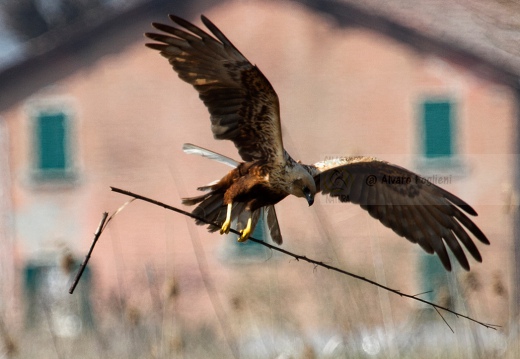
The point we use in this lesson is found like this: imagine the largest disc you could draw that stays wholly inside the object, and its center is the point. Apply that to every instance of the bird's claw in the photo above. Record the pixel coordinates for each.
(246, 232)
(225, 227)
(227, 223)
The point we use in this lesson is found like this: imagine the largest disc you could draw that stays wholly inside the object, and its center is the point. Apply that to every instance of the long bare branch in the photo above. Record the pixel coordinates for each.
(299, 257)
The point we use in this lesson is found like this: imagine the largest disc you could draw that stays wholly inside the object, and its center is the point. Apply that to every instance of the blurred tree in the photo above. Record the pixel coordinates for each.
(31, 18)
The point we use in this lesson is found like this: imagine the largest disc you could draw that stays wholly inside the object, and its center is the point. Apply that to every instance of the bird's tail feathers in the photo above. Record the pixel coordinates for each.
(210, 207)
(272, 224)
(190, 201)
(208, 187)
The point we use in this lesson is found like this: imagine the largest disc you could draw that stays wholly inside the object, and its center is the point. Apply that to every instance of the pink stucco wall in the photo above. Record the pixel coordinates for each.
(342, 91)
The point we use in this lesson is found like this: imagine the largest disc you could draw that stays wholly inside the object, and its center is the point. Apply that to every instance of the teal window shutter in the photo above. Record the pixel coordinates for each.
(438, 129)
(51, 141)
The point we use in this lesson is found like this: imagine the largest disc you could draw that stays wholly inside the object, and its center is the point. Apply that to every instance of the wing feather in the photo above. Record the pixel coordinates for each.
(455, 247)
(191, 149)
(389, 213)
(434, 234)
(356, 193)
(416, 234)
(243, 105)
(412, 207)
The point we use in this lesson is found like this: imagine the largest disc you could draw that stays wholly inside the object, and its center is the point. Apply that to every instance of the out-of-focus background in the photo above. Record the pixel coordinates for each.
(432, 85)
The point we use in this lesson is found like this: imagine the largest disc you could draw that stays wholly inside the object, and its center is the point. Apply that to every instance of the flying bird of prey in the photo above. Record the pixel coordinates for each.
(244, 108)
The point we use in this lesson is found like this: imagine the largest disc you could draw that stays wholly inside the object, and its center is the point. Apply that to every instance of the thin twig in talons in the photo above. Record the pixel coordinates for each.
(117, 212)
(99, 230)
(437, 310)
(418, 294)
(87, 257)
(309, 260)
(297, 257)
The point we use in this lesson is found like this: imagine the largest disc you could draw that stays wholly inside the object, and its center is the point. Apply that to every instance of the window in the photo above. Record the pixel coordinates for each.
(51, 145)
(52, 141)
(47, 299)
(438, 131)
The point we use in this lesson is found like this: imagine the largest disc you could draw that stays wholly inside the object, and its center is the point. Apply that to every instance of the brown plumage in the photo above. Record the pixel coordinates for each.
(244, 108)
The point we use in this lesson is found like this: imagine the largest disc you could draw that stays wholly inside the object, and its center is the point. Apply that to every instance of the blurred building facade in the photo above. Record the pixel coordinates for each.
(102, 110)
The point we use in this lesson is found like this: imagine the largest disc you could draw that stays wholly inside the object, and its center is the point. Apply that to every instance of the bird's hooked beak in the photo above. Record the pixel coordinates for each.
(308, 196)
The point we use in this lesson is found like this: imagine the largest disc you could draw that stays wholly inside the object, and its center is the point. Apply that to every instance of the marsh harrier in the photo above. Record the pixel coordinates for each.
(244, 108)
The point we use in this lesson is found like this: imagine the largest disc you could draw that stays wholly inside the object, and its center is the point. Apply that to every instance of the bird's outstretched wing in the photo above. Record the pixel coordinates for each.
(243, 105)
(407, 203)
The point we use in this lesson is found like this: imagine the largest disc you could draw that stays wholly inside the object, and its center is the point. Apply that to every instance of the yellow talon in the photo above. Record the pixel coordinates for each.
(227, 223)
(246, 232)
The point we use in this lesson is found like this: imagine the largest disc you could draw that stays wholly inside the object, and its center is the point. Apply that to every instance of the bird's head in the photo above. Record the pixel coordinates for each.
(301, 183)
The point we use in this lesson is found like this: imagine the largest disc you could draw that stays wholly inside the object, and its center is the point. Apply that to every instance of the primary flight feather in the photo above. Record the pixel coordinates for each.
(244, 109)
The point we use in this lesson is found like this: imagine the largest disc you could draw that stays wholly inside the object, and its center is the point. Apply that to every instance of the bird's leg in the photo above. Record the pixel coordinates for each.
(227, 223)
(246, 232)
